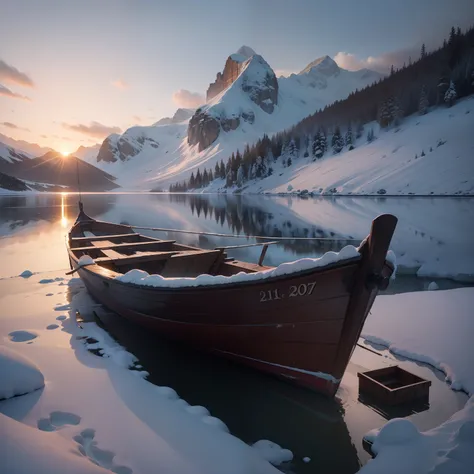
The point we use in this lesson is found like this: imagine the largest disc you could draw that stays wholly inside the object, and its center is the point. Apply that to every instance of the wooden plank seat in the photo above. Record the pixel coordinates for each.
(191, 263)
(119, 259)
(107, 244)
(177, 263)
(106, 237)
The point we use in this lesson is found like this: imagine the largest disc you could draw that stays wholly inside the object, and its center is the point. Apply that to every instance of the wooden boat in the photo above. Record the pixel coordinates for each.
(302, 326)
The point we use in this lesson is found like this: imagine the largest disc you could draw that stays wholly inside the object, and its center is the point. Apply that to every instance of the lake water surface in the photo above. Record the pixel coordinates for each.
(33, 227)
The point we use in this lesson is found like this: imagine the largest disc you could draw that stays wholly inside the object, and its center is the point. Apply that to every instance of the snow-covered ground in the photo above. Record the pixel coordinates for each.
(392, 163)
(94, 413)
(433, 327)
(18, 374)
(100, 414)
(402, 449)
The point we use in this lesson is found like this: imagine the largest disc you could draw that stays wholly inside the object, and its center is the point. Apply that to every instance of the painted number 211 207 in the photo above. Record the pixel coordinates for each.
(304, 289)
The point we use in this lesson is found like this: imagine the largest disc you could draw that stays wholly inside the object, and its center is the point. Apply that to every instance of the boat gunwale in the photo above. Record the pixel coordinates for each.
(226, 285)
(229, 285)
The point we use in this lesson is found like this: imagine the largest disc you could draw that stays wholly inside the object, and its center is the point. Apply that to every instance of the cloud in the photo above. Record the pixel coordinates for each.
(381, 63)
(12, 75)
(188, 99)
(13, 126)
(120, 84)
(9, 93)
(94, 129)
(44, 136)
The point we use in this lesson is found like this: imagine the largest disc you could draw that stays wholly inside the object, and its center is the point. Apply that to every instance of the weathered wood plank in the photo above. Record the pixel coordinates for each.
(104, 237)
(126, 245)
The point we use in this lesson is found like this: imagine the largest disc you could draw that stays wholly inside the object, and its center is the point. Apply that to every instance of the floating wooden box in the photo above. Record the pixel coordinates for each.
(393, 385)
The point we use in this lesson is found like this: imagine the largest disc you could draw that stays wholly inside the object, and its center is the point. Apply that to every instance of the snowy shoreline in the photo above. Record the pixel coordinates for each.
(75, 430)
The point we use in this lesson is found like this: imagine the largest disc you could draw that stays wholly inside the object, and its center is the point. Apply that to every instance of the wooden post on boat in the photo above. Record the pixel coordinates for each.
(372, 275)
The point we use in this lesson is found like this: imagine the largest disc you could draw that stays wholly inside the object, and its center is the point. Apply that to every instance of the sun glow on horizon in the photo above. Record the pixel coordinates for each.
(65, 153)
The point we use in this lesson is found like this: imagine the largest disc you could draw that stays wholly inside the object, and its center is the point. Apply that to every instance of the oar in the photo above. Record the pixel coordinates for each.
(74, 270)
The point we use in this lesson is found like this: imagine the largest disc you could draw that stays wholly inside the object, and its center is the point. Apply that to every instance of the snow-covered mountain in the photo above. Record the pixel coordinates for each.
(424, 155)
(32, 149)
(51, 171)
(10, 156)
(246, 101)
(87, 153)
(180, 115)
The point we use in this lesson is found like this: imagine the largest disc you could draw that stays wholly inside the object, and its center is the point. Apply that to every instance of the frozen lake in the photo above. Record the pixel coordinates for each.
(433, 237)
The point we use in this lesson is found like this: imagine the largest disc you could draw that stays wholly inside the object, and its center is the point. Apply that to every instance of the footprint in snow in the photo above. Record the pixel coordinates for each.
(22, 336)
(101, 457)
(57, 419)
(63, 307)
(61, 318)
(52, 326)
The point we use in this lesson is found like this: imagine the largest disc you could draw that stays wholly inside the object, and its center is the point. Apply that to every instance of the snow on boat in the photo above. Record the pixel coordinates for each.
(299, 321)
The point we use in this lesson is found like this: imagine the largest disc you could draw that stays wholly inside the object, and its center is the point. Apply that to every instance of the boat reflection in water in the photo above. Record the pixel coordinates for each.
(253, 405)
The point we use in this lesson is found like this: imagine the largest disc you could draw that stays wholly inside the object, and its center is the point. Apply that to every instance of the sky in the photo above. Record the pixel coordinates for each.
(72, 72)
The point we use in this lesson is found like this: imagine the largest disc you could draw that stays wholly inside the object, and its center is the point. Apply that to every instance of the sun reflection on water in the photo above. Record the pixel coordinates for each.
(64, 219)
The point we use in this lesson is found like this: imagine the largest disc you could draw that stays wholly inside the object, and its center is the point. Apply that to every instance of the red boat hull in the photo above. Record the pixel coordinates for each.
(301, 327)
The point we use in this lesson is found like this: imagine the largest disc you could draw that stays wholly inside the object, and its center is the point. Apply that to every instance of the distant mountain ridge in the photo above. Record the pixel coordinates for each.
(32, 149)
(53, 169)
(246, 101)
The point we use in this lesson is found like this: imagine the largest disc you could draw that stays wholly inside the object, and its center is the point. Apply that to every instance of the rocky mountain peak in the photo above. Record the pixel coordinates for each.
(323, 65)
(253, 89)
(246, 51)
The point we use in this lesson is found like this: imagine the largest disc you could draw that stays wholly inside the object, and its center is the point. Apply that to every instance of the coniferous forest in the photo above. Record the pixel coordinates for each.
(435, 79)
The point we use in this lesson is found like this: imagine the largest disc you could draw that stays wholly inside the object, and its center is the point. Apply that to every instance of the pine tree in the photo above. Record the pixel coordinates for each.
(423, 51)
(337, 142)
(240, 176)
(349, 140)
(370, 135)
(192, 181)
(385, 113)
(217, 171)
(198, 180)
(452, 36)
(450, 95)
(317, 149)
(205, 178)
(222, 170)
(228, 179)
(324, 142)
(423, 103)
(291, 149)
(443, 85)
(392, 70)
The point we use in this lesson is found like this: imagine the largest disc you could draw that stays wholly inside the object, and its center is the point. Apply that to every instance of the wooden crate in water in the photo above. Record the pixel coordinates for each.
(393, 385)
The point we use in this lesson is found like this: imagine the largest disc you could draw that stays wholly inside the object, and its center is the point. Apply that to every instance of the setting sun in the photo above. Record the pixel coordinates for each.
(65, 154)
